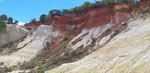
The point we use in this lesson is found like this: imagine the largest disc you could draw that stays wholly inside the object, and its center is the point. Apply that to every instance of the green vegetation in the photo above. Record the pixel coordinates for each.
(43, 17)
(117, 1)
(2, 27)
(87, 4)
(1, 48)
(84, 6)
(74, 52)
(33, 20)
(16, 22)
(52, 42)
(28, 65)
(66, 55)
(94, 40)
(4, 18)
(108, 30)
(7, 70)
(10, 20)
(10, 44)
(1, 63)
(56, 60)
(66, 38)
(64, 11)
(47, 43)
(42, 71)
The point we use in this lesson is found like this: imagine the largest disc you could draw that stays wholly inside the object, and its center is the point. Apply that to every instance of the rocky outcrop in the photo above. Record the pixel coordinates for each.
(127, 52)
(13, 33)
(30, 47)
(90, 18)
(94, 29)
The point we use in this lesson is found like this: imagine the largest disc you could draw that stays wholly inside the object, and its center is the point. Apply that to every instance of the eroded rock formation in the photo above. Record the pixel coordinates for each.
(30, 47)
(128, 52)
(13, 33)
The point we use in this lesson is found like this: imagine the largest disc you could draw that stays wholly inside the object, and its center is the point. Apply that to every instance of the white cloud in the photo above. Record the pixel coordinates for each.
(21, 23)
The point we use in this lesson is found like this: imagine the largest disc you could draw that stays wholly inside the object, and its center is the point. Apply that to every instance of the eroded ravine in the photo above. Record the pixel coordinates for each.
(128, 52)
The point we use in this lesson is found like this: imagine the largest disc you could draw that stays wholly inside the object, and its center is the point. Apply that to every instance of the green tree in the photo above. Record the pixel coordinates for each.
(43, 17)
(10, 20)
(3, 17)
(16, 21)
(33, 20)
(98, 3)
(108, 1)
(2, 26)
(55, 13)
(51, 13)
(64, 11)
(126, 1)
(123, 1)
(86, 5)
(73, 10)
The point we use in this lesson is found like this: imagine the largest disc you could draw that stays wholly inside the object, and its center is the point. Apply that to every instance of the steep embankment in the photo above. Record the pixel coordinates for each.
(128, 52)
(111, 31)
(88, 31)
(30, 47)
(73, 23)
(12, 34)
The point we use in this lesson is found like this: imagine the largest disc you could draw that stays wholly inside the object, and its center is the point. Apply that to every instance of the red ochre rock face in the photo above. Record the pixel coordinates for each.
(92, 17)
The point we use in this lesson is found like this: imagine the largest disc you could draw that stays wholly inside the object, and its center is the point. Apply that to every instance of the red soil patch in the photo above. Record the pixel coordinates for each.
(92, 17)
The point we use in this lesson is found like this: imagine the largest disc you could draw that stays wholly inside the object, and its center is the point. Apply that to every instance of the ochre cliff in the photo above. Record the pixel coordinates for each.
(93, 17)
(128, 52)
(102, 39)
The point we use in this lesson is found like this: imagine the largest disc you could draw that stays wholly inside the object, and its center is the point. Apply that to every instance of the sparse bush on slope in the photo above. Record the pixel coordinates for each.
(66, 38)
(2, 27)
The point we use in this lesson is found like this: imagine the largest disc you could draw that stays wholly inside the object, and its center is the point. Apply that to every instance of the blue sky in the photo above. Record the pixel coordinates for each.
(25, 10)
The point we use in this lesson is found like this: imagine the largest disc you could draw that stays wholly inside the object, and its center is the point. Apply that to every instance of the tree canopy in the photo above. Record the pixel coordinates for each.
(10, 20)
(2, 27)
(43, 17)
(6, 19)
(3, 17)
(84, 6)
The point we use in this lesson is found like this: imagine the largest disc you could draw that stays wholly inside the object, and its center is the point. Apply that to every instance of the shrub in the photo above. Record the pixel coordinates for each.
(108, 30)
(7, 69)
(1, 63)
(43, 17)
(55, 13)
(42, 71)
(10, 20)
(73, 10)
(74, 52)
(71, 16)
(64, 11)
(2, 26)
(66, 38)
(3, 17)
(47, 43)
(56, 60)
(97, 3)
(93, 39)
(52, 42)
(43, 61)
(86, 5)
(10, 44)
(28, 65)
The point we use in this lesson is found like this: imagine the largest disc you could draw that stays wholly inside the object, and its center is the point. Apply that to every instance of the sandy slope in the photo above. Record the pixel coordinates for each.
(128, 52)
(30, 47)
